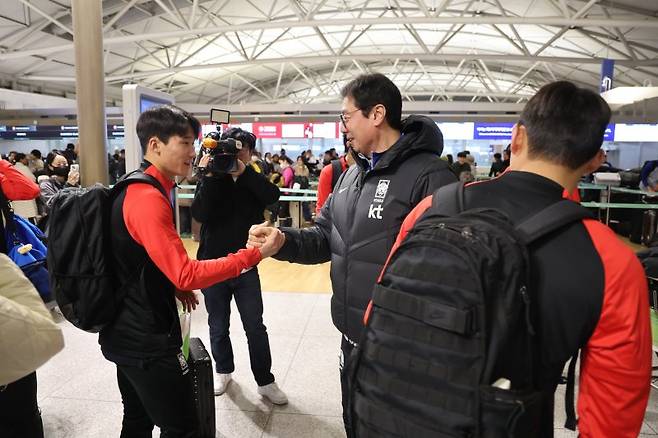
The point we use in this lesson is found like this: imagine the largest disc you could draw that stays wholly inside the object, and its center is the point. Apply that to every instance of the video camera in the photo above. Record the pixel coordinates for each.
(223, 154)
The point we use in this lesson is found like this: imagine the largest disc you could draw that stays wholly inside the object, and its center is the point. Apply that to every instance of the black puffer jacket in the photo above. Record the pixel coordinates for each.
(361, 219)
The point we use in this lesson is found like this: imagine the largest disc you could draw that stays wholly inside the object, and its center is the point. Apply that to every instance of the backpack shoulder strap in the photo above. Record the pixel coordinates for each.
(448, 200)
(551, 218)
(336, 171)
(138, 176)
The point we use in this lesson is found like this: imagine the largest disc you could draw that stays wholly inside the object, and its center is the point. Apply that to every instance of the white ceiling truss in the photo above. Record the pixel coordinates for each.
(303, 51)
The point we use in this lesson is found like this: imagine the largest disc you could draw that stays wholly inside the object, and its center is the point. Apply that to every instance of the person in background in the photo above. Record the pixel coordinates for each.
(450, 159)
(329, 176)
(267, 164)
(60, 176)
(11, 157)
(497, 166)
(70, 154)
(461, 165)
(506, 157)
(26, 209)
(227, 205)
(121, 163)
(287, 172)
(302, 179)
(36, 163)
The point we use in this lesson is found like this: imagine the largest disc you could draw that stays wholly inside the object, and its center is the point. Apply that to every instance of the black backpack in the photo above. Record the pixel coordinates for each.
(336, 172)
(448, 350)
(82, 277)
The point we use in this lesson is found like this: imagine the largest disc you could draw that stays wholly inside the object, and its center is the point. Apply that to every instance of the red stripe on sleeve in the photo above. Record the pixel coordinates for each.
(148, 218)
(615, 366)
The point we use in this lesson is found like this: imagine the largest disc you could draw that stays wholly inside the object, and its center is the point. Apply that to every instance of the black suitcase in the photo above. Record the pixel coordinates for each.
(204, 395)
(649, 225)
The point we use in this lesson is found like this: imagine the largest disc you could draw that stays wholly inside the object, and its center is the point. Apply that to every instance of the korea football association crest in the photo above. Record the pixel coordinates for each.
(376, 208)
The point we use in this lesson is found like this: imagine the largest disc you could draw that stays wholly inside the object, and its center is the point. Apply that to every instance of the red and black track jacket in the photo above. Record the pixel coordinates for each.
(152, 263)
(590, 293)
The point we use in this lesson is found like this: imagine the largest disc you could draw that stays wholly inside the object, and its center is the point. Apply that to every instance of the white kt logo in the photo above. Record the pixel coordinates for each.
(375, 212)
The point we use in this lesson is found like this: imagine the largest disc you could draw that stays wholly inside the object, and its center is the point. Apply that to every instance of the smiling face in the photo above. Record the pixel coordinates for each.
(173, 158)
(358, 129)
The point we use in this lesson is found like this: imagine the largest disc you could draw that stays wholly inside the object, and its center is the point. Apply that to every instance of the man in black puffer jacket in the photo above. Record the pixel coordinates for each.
(398, 164)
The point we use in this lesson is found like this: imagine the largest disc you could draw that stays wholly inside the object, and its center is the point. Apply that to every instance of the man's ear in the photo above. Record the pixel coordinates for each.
(153, 145)
(379, 114)
(594, 163)
(519, 140)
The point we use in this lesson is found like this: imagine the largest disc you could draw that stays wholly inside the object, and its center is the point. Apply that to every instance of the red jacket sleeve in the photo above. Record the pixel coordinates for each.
(324, 187)
(15, 185)
(615, 369)
(148, 218)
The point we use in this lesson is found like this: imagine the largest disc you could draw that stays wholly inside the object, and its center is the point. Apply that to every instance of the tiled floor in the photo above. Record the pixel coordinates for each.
(79, 398)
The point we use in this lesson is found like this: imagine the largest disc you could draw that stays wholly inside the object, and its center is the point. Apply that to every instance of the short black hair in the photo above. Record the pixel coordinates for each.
(36, 153)
(462, 155)
(19, 156)
(247, 138)
(497, 155)
(164, 122)
(565, 124)
(373, 89)
(70, 146)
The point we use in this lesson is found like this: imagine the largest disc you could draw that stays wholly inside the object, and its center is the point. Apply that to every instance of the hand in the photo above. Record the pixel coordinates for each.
(73, 178)
(273, 243)
(188, 299)
(258, 234)
(241, 168)
(203, 162)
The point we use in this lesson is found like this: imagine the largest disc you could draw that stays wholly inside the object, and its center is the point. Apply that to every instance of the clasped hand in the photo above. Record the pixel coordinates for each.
(267, 239)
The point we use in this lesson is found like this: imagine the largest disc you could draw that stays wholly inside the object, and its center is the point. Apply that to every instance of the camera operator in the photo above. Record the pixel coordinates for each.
(228, 201)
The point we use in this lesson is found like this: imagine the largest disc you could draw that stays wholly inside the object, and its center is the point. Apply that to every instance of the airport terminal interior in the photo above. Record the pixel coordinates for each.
(75, 75)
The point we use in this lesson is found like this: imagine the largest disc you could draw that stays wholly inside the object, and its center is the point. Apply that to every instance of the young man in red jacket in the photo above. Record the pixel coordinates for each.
(591, 291)
(144, 341)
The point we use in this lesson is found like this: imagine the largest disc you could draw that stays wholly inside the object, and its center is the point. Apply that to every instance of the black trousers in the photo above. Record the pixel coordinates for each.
(157, 392)
(19, 413)
(346, 348)
(249, 299)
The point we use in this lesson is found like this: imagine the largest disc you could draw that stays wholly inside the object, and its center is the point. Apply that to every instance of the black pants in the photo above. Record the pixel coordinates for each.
(157, 392)
(19, 413)
(248, 298)
(346, 348)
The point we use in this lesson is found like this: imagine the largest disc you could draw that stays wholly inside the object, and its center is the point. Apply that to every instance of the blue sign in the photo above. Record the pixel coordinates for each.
(607, 73)
(492, 131)
(609, 134)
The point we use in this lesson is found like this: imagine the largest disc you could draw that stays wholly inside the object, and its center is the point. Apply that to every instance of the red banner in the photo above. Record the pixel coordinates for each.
(267, 130)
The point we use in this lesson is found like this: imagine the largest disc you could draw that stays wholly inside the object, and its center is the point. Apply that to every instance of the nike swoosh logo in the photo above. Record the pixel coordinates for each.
(343, 189)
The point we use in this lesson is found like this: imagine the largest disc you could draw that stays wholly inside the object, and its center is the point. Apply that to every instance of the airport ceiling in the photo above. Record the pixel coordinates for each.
(303, 51)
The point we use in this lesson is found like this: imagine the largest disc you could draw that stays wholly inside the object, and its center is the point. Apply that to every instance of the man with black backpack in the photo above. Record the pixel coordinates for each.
(152, 265)
(397, 164)
(476, 313)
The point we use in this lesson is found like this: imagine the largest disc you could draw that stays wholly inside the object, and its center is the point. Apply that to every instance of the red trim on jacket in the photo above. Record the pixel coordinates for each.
(148, 218)
(615, 368)
(15, 185)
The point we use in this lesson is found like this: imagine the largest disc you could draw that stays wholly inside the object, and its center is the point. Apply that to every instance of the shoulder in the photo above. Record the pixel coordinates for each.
(619, 261)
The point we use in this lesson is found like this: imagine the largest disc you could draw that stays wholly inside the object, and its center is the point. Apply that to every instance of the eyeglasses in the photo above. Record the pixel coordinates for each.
(344, 119)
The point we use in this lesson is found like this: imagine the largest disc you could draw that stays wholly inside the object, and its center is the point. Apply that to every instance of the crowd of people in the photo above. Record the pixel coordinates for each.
(370, 201)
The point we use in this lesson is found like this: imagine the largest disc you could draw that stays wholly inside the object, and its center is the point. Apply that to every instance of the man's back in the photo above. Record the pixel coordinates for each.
(588, 291)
